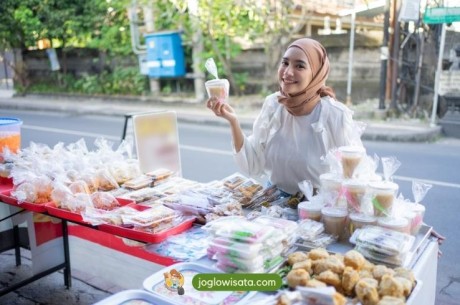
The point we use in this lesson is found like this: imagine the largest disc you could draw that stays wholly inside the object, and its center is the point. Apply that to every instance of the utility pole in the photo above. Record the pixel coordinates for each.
(395, 56)
(350, 56)
(197, 50)
(384, 56)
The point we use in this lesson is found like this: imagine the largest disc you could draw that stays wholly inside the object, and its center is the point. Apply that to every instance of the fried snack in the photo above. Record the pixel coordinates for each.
(331, 263)
(406, 284)
(405, 273)
(283, 300)
(330, 278)
(366, 291)
(368, 266)
(296, 257)
(306, 265)
(390, 286)
(366, 274)
(104, 201)
(381, 270)
(339, 299)
(354, 259)
(318, 253)
(314, 283)
(349, 279)
(387, 300)
(297, 277)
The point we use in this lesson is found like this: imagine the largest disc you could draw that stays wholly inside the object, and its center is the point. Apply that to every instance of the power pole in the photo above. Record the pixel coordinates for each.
(384, 56)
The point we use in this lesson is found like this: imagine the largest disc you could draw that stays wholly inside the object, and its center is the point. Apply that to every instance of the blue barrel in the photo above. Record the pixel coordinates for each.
(165, 55)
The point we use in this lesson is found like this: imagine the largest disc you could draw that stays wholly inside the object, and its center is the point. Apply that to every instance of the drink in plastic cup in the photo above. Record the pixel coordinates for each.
(335, 221)
(10, 134)
(358, 220)
(383, 195)
(354, 191)
(417, 222)
(308, 210)
(218, 88)
(331, 184)
(351, 156)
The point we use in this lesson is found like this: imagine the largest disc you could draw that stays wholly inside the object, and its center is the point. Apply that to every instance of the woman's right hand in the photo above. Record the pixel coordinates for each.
(222, 109)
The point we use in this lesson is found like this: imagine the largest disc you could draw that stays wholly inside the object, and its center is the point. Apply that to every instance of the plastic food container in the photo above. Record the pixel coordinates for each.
(383, 195)
(358, 220)
(308, 210)
(287, 226)
(234, 248)
(354, 191)
(351, 156)
(417, 222)
(398, 224)
(335, 221)
(10, 134)
(245, 231)
(330, 182)
(247, 265)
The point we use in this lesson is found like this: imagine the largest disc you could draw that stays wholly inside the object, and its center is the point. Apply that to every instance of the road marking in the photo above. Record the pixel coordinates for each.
(210, 151)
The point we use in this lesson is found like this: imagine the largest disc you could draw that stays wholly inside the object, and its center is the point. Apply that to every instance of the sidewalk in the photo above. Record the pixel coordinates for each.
(189, 111)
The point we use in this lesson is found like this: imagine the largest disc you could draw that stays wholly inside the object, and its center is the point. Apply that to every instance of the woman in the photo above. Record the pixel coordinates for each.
(297, 125)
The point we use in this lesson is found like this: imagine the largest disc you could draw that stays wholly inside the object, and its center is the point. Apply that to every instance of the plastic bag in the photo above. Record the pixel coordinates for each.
(390, 166)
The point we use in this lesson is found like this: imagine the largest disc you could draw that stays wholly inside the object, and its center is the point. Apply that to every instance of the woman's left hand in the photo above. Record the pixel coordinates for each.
(440, 238)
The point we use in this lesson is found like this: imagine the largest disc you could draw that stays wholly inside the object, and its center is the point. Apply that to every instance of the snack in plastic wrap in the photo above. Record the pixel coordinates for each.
(104, 201)
(246, 231)
(25, 192)
(106, 181)
(78, 202)
(79, 186)
(139, 182)
(234, 180)
(150, 218)
(160, 174)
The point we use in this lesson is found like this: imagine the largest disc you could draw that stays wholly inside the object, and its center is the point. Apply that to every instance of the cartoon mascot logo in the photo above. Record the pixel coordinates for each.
(174, 281)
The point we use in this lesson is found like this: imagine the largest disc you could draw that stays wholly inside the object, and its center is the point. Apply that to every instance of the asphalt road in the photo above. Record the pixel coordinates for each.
(206, 155)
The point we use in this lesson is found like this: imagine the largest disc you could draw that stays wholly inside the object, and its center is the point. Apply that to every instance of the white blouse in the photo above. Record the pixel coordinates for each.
(288, 149)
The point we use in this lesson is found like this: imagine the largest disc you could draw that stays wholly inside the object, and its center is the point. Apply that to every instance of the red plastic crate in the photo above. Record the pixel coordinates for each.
(145, 236)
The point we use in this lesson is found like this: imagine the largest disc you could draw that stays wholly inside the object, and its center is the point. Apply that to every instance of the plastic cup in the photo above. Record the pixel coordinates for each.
(308, 210)
(398, 224)
(331, 185)
(351, 156)
(417, 222)
(410, 216)
(383, 195)
(354, 191)
(335, 221)
(358, 220)
(10, 135)
(218, 88)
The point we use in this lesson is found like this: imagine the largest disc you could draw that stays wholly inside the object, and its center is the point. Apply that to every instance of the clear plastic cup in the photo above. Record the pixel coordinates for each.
(354, 191)
(331, 185)
(10, 135)
(410, 216)
(383, 195)
(218, 88)
(308, 210)
(351, 156)
(359, 220)
(335, 222)
(417, 222)
(398, 224)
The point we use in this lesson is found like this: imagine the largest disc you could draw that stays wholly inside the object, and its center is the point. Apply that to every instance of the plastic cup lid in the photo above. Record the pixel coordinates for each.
(417, 207)
(384, 185)
(334, 212)
(352, 149)
(330, 177)
(395, 222)
(10, 121)
(217, 82)
(362, 217)
(306, 205)
(354, 183)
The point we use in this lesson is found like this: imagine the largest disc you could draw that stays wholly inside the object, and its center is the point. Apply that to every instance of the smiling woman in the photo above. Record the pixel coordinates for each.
(296, 126)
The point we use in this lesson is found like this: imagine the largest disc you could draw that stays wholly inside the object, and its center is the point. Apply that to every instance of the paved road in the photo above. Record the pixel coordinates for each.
(206, 155)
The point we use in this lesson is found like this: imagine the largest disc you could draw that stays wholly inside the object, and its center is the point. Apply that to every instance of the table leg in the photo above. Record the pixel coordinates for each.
(17, 245)
(67, 271)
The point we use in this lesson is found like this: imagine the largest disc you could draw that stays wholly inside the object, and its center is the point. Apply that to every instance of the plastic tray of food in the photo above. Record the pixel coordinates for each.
(6, 197)
(143, 236)
(73, 216)
(160, 285)
(132, 297)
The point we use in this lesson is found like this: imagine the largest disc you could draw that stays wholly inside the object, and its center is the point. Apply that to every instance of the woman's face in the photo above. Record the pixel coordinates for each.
(294, 73)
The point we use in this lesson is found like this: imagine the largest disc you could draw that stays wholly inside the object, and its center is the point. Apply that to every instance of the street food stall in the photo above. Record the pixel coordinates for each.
(352, 241)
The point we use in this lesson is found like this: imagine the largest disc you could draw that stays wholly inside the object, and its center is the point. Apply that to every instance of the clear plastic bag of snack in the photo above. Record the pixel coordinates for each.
(228, 209)
(60, 193)
(79, 186)
(377, 257)
(96, 216)
(249, 188)
(309, 229)
(44, 187)
(215, 225)
(288, 227)
(104, 201)
(77, 203)
(266, 197)
(106, 181)
(139, 182)
(381, 240)
(160, 174)
(25, 192)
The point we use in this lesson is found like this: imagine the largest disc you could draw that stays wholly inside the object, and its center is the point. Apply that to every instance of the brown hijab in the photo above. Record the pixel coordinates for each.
(304, 102)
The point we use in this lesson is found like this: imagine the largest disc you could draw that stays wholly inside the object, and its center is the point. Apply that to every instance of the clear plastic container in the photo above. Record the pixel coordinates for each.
(308, 210)
(250, 232)
(335, 221)
(288, 227)
(417, 223)
(330, 182)
(383, 195)
(354, 191)
(359, 220)
(398, 224)
(10, 134)
(248, 265)
(235, 248)
(351, 156)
